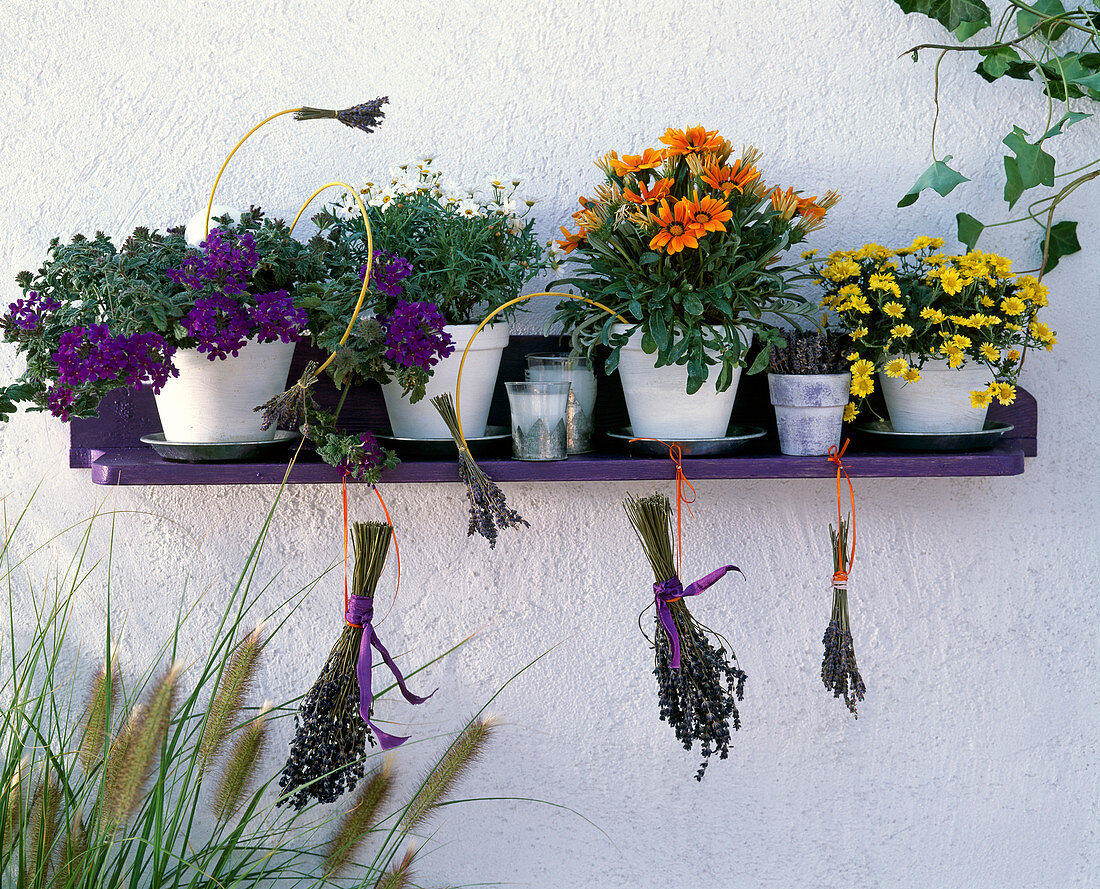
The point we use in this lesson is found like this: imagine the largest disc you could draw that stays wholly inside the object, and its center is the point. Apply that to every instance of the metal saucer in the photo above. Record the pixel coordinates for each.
(881, 434)
(737, 439)
(218, 451)
(496, 441)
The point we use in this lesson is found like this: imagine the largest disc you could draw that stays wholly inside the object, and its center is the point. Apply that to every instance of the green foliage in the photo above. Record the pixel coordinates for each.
(939, 177)
(1059, 50)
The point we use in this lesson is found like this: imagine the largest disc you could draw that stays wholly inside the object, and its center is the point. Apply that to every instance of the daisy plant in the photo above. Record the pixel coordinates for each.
(904, 307)
(685, 242)
(469, 249)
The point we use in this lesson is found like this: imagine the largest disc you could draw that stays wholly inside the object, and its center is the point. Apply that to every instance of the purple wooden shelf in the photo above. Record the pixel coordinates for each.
(109, 445)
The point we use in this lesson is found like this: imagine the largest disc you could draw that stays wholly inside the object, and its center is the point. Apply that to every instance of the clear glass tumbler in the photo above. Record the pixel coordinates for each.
(582, 397)
(538, 419)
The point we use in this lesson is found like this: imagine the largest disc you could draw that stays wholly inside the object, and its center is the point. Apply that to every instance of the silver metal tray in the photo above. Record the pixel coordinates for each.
(218, 451)
(737, 440)
(882, 435)
(497, 441)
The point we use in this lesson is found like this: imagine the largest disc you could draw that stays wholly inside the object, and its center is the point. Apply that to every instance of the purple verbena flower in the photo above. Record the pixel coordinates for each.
(224, 265)
(275, 318)
(415, 336)
(366, 457)
(220, 324)
(26, 314)
(388, 272)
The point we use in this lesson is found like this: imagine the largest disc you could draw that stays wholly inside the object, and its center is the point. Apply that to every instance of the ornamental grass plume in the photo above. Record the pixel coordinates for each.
(839, 671)
(361, 818)
(489, 511)
(400, 875)
(133, 755)
(240, 766)
(106, 688)
(698, 684)
(225, 709)
(334, 719)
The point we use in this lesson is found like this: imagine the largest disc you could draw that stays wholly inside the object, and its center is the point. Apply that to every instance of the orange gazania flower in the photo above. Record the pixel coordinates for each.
(677, 230)
(649, 159)
(709, 214)
(728, 179)
(785, 203)
(690, 141)
(647, 197)
(572, 241)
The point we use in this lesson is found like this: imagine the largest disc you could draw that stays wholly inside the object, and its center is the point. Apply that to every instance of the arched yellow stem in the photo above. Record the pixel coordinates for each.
(490, 317)
(244, 138)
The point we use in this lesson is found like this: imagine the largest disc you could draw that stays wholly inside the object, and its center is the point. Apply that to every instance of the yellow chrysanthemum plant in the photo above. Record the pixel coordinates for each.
(904, 307)
(685, 242)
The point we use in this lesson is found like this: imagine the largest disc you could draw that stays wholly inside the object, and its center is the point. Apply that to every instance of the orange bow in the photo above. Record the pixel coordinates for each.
(840, 578)
(676, 456)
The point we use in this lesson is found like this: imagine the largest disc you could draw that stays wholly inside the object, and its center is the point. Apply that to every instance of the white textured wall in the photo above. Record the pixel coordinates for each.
(974, 762)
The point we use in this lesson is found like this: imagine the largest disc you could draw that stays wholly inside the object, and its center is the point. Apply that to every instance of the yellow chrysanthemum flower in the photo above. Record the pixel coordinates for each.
(911, 375)
(899, 331)
(1013, 305)
(989, 352)
(894, 309)
(960, 341)
(850, 412)
(840, 270)
(955, 355)
(935, 260)
(862, 386)
(1013, 355)
(861, 367)
(897, 367)
(920, 243)
(933, 315)
(951, 281)
(860, 304)
(809, 254)
(1002, 266)
(849, 290)
(852, 356)
(980, 398)
(1006, 393)
(987, 302)
(881, 282)
(859, 333)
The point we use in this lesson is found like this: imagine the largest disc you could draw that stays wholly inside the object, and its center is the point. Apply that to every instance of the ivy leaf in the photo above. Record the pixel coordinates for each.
(970, 229)
(1063, 242)
(1068, 120)
(939, 177)
(1031, 167)
(950, 13)
(966, 30)
(999, 61)
(1026, 20)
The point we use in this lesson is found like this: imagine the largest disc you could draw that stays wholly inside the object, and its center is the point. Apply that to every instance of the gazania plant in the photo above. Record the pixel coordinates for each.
(685, 242)
(906, 306)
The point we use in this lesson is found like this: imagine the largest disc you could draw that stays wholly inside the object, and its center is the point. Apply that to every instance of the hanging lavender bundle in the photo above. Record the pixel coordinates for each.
(699, 683)
(839, 671)
(489, 512)
(333, 721)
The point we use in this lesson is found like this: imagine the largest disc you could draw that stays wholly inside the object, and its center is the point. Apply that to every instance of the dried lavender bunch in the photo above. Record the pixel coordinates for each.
(809, 352)
(489, 512)
(699, 698)
(365, 117)
(839, 671)
(329, 745)
(290, 409)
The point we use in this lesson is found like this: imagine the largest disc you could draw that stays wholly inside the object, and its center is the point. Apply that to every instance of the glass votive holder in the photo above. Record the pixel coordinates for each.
(582, 397)
(538, 419)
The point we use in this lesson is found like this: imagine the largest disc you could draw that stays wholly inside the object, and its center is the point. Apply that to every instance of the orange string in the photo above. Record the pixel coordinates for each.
(676, 456)
(835, 457)
(393, 536)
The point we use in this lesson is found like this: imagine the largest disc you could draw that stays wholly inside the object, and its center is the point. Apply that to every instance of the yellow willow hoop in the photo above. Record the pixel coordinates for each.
(353, 192)
(490, 317)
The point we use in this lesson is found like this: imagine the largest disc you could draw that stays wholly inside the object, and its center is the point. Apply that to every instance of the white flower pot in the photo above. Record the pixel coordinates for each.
(809, 411)
(479, 377)
(212, 401)
(939, 401)
(657, 399)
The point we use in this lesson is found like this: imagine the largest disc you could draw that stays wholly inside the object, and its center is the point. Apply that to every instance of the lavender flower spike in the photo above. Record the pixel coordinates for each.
(365, 117)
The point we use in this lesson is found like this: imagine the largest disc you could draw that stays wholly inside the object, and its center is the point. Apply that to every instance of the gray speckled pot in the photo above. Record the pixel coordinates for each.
(809, 411)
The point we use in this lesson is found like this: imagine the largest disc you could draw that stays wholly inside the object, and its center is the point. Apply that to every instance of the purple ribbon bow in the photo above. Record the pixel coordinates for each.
(669, 590)
(360, 613)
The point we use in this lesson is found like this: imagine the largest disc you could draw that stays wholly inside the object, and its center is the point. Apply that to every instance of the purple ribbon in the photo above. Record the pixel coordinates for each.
(669, 590)
(360, 613)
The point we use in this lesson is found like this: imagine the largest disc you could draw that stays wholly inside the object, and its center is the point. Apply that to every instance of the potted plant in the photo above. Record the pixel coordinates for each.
(684, 243)
(947, 334)
(808, 380)
(211, 329)
(465, 254)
